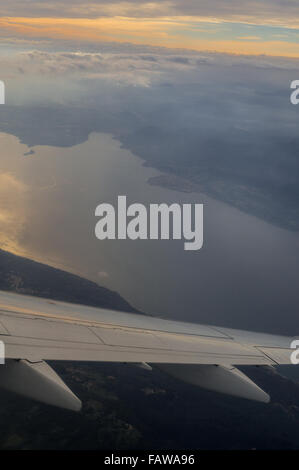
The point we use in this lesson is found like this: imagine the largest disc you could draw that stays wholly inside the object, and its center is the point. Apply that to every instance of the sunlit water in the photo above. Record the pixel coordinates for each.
(246, 275)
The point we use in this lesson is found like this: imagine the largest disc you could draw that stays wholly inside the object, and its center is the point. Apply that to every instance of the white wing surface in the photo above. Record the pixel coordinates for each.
(35, 330)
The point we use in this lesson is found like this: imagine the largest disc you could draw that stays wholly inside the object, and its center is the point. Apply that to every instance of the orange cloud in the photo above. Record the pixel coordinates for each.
(166, 32)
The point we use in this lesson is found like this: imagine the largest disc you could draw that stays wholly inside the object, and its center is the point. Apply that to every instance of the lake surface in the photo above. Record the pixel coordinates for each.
(246, 275)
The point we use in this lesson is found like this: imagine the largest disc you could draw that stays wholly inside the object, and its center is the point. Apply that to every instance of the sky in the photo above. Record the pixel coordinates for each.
(268, 27)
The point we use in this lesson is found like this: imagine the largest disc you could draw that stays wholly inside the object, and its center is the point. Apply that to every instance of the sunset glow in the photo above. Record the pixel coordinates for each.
(197, 33)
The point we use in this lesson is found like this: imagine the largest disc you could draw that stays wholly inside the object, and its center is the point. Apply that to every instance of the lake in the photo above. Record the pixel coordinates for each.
(246, 274)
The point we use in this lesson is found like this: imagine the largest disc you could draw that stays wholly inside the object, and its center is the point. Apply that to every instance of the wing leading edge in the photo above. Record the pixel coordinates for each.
(35, 330)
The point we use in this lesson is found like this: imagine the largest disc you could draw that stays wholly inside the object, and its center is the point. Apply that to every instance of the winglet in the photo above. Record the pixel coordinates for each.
(39, 381)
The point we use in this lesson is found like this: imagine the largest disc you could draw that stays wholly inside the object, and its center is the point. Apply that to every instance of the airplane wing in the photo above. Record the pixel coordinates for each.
(35, 330)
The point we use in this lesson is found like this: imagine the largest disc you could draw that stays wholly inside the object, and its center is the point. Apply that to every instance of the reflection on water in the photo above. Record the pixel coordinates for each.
(245, 276)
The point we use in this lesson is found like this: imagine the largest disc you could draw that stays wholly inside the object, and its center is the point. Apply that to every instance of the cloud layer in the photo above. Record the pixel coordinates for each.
(249, 27)
(270, 11)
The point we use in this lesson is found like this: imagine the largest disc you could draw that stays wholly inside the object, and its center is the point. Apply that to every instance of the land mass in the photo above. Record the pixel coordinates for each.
(29, 277)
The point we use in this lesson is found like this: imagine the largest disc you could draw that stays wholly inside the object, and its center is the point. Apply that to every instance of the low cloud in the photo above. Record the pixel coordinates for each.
(130, 68)
(125, 68)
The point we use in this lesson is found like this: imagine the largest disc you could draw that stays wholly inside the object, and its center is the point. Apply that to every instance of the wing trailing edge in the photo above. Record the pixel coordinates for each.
(34, 330)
